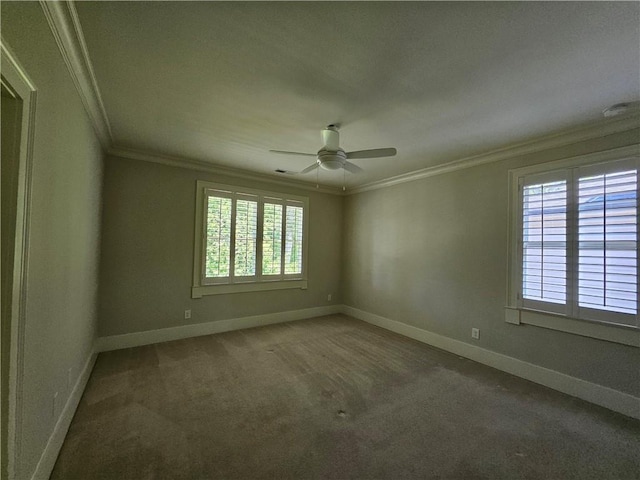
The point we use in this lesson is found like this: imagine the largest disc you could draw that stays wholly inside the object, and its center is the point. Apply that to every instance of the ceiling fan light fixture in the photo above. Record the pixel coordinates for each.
(331, 160)
(331, 164)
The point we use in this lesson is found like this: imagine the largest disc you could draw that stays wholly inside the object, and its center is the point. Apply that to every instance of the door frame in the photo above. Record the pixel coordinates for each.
(16, 78)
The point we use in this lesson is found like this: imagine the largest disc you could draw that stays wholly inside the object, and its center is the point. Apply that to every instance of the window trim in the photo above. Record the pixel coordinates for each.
(515, 312)
(203, 286)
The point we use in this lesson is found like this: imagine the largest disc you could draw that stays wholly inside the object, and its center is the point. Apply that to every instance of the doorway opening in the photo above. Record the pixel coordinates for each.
(10, 138)
(18, 119)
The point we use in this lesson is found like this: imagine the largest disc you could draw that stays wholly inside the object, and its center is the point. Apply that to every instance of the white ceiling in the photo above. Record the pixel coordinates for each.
(226, 82)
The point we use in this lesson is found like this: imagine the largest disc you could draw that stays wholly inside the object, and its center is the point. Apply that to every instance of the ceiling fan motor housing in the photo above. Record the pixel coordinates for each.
(331, 160)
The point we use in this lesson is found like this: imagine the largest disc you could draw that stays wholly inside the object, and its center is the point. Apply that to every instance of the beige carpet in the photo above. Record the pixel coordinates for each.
(331, 397)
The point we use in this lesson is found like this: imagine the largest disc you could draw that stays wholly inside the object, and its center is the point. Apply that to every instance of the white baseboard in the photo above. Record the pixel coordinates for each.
(127, 340)
(50, 454)
(606, 397)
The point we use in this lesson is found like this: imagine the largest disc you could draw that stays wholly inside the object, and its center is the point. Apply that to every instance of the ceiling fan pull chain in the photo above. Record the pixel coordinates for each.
(344, 179)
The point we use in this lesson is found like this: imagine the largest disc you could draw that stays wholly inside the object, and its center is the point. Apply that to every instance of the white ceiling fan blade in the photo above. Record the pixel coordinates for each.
(331, 138)
(375, 153)
(309, 168)
(294, 153)
(351, 167)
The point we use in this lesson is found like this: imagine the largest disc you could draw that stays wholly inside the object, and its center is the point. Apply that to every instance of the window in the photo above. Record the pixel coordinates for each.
(248, 240)
(574, 246)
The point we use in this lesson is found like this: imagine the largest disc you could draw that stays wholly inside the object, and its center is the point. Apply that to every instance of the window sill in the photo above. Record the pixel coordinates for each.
(200, 291)
(625, 335)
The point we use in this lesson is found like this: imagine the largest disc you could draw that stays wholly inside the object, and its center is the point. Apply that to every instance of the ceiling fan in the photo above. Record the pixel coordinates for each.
(332, 157)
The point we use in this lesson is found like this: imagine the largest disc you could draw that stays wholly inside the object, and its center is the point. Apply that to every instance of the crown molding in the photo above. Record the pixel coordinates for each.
(567, 137)
(202, 166)
(65, 25)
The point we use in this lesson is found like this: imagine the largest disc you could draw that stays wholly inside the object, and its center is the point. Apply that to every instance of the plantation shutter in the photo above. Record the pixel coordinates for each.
(272, 239)
(578, 242)
(544, 241)
(248, 240)
(293, 242)
(246, 229)
(218, 235)
(608, 244)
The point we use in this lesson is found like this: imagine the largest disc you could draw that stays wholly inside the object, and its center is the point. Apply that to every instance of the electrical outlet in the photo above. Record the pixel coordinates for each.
(475, 333)
(187, 314)
(329, 298)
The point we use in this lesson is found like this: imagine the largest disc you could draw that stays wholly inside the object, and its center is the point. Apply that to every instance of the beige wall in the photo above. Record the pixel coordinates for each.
(147, 251)
(433, 254)
(61, 320)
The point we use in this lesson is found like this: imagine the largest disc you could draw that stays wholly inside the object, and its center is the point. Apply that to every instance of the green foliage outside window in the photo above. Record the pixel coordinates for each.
(272, 239)
(277, 257)
(293, 243)
(246, 231)
(218, 236)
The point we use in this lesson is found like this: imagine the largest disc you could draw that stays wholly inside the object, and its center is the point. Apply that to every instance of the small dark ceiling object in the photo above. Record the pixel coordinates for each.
(621, 108)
